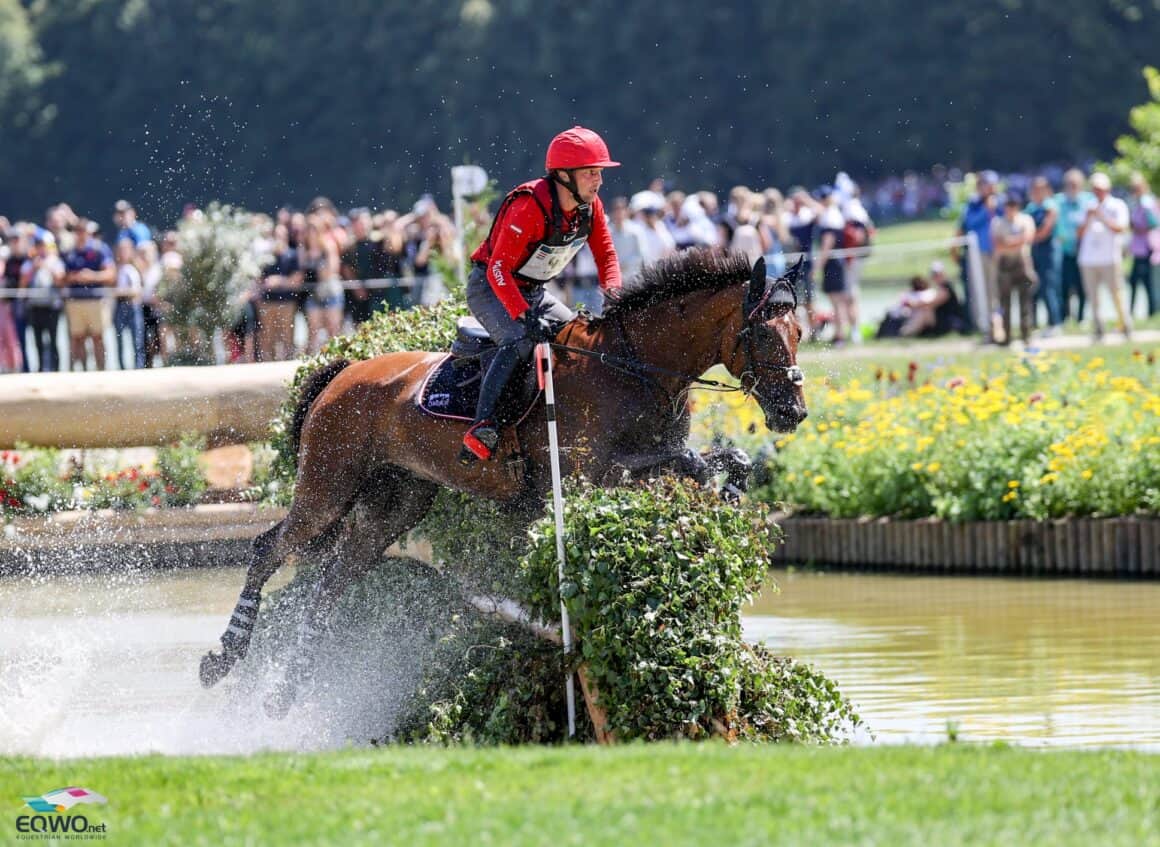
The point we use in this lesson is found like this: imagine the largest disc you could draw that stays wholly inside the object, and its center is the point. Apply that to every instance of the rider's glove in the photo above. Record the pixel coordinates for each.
(537, 328)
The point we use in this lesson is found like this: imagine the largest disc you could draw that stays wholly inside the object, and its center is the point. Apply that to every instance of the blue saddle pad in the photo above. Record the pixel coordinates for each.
(451, 390)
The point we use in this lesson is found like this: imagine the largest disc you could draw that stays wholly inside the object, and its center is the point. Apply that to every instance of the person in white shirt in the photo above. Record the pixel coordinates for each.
(649, 209)
(627, 237)
(1101, 252)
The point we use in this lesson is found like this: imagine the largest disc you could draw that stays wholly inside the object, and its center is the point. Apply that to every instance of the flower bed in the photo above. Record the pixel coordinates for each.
(37, 481)
(1032, 437)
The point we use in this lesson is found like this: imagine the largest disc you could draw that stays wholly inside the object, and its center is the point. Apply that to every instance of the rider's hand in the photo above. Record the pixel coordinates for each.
(537, 329)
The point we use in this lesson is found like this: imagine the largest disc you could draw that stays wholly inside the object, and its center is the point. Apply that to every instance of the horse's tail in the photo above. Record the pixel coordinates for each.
(315, 384)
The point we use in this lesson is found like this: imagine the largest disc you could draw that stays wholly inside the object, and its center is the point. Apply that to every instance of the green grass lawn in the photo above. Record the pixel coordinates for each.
(656, 794)
(927, 230)
(888, 268)
(893, 354)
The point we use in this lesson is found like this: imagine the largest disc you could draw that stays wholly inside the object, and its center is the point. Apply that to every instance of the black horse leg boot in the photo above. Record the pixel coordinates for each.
(483, 436)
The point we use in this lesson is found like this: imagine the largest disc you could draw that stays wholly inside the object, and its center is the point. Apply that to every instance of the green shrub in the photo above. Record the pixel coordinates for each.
(218, 269)
(656, 578)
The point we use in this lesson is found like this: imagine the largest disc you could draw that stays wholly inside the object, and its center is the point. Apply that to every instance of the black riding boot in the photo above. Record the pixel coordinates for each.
(483, 436)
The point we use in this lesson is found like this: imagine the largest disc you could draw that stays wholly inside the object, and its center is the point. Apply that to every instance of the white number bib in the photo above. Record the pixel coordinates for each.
(549, 260)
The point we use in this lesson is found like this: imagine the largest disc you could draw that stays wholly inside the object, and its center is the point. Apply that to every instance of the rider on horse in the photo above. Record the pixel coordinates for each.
(540, 226)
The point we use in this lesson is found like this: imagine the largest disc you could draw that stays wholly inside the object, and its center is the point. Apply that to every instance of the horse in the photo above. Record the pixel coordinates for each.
(370, 460)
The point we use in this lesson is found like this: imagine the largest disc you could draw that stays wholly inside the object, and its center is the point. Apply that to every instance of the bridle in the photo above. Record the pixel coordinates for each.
(753, 314)
(780, 293)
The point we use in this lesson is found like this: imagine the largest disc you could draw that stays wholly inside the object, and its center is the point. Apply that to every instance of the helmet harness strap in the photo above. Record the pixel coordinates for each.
(584, 209)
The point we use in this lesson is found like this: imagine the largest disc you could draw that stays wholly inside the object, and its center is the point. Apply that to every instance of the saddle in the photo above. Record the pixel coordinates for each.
(451, 388)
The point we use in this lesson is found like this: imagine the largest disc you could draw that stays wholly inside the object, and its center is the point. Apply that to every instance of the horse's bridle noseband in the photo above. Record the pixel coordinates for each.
(754, 315)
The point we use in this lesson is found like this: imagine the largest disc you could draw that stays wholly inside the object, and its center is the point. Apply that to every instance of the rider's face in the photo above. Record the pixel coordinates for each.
(588, 182)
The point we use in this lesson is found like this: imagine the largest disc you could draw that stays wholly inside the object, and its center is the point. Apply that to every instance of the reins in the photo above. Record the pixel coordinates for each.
(633, 366)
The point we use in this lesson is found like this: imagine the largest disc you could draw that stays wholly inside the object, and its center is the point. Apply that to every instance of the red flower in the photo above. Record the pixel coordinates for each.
(156, 500)
(142, 486)
(1034, 398)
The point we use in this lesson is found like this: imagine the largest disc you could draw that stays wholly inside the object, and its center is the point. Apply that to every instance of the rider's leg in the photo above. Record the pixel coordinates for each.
(481, 439)
(508, 334)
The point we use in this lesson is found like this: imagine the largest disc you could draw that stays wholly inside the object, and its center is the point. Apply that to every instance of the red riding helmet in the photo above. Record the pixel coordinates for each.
(578, 148)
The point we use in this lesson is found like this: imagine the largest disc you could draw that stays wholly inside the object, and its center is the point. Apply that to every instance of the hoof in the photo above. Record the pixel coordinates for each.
(214, 667)
(279, 701)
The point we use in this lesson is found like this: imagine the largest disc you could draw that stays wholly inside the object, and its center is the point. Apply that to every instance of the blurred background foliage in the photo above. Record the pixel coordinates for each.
(259, 105)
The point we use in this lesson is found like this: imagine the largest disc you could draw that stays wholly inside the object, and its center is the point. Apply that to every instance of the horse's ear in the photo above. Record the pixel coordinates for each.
(757, 280)
(795, 271)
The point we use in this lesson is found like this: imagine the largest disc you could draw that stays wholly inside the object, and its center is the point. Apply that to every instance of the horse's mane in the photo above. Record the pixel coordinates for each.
(698, 269)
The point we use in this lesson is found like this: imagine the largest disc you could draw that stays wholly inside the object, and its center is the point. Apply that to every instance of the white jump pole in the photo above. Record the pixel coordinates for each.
(544, 374)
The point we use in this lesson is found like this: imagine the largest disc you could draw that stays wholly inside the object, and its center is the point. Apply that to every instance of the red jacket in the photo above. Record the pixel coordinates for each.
(522, 224)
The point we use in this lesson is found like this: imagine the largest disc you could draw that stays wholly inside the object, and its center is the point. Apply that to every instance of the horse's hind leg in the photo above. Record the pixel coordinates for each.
(236, 639)
(380, 517)
(308, 524)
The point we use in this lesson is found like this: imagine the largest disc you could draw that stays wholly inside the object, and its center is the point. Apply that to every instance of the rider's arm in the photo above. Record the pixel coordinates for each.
(603, 250)
(521, 226)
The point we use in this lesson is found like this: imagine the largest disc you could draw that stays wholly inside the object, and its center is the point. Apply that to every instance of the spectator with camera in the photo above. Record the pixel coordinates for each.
(41, 276)
(1045, 253)
(1101, 252)
(1072, 204)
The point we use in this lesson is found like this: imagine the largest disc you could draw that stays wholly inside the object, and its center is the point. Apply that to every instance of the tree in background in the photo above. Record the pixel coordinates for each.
(22, 72)
(1140, 150)
(371, 103)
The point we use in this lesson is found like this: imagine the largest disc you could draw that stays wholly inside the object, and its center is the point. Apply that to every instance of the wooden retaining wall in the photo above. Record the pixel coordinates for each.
(110, 539)
(220, 535)
(1073, 547)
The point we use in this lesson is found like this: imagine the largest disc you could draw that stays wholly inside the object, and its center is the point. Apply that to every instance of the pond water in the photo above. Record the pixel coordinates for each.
(108, 664)
(1033, 662)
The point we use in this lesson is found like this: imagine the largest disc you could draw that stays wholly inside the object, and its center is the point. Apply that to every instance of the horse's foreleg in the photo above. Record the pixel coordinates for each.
(374, 524)
(735, 464)
(683, 462)
(700, 468)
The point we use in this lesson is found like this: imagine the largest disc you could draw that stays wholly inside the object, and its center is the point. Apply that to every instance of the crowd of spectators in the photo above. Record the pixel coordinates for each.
(1063, 249)
(70, 274)
(325, 271)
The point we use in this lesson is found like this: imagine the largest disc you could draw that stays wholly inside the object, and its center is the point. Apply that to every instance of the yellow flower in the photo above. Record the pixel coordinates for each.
(1013, 483)
(819, 479)
(1009, 496)
(1086, 473)
(916, 466)
(1048, 478)
(933, 467)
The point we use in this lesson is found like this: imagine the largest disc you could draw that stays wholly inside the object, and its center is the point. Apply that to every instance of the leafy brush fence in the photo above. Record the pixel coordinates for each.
(656, 581)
